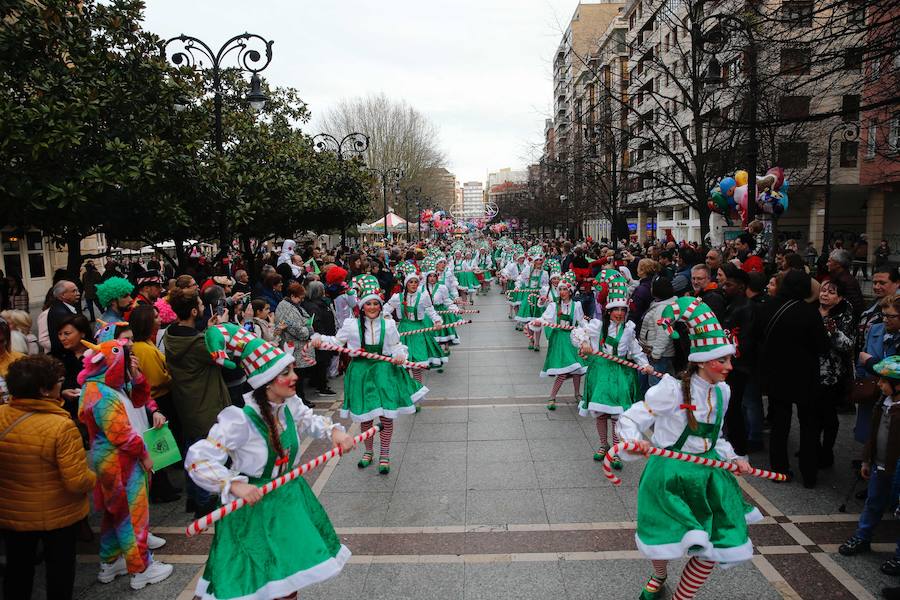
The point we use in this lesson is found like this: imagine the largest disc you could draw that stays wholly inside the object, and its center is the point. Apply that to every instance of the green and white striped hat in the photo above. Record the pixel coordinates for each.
(708, 340)
(617, 296)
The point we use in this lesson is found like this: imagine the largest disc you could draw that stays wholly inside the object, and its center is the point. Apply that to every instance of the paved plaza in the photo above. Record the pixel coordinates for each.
(492, 496)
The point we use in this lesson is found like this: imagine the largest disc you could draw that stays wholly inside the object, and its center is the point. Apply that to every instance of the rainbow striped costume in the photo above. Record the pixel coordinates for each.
(121, 493)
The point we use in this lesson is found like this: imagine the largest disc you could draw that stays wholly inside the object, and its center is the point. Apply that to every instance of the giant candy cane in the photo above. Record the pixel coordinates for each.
(621, 361)
(435, 328)
(458, 312)
(203, 523)
(363, 354)
(692, 458)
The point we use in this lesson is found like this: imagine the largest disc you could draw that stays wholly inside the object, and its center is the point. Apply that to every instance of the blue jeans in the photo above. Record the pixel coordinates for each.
(587, 305)
(663, 365)
(882, 496)
(753, 411)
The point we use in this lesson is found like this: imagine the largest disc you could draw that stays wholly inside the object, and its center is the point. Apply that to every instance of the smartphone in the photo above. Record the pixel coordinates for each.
(220, 307)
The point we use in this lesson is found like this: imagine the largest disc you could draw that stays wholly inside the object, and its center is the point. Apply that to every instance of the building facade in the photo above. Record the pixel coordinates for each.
(472, 200)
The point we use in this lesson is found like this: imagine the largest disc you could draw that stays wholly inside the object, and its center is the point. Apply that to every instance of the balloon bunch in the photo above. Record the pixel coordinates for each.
(437, 219)
(730, 194)
(500, 227)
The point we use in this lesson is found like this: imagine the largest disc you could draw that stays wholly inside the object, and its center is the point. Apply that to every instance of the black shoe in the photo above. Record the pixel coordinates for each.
(165, 497)
(189, 505)
(891, 566)
(854, 546)
(826, 462)
(891, 593)
(327, 392)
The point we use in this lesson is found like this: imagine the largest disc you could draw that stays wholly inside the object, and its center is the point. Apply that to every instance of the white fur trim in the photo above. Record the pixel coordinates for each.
(290, 584)
(726, 557)
(595, 409)
(365, 299)
(390, 414)
(725, 350)
(617, 304)
(261, 379)
(573, 369)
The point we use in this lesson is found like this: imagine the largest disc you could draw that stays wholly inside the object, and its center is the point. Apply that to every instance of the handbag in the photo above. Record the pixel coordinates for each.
(865, 390)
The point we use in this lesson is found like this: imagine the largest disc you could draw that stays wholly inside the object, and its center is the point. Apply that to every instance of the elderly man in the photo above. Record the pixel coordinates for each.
(714, 260)
(706, 289)
(65, 301)
(242, 281)
(839, 271)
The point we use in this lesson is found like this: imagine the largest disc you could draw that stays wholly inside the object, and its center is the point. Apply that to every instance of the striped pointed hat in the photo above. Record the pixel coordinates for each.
(536, 252)
(367, 288)
(567, 280)
(617, 294)
(708, 340)
(409, 271)
(552, 267)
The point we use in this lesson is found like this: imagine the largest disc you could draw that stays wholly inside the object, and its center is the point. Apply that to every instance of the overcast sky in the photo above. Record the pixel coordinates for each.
(479, 69)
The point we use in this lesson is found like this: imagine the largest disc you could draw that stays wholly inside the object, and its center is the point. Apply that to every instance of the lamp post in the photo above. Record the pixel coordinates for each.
(189, 51)
(419, 213)
(714, 77)
(352, 143)
(385, 175)
(849, 132)
(414, 193)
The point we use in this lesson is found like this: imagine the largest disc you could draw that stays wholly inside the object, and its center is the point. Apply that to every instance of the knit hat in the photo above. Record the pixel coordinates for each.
(889, 367)
(617, 296)
(567, 280)
(113, 289)
(552, 266)
(518, 251)
(167, 316)
(708, 340)
(428, 266)
(408, 270)
(261, 360)
(367, 288)
(536, 252)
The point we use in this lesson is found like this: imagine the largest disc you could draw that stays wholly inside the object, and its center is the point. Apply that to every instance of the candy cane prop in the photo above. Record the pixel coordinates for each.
(459, 312)
(435, 328)
(521, 290)
(699, 460)
(363, 354)
(555, 326)
(203, 523)
(616, 359)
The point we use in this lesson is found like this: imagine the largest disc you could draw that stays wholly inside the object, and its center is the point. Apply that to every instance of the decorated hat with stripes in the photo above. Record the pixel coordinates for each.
(708, 340)
(617, 286)
(262, 361)
(536, 252)
(552, 266)
(367, 288)
(567, 280)
(518, 251)
(409, 271)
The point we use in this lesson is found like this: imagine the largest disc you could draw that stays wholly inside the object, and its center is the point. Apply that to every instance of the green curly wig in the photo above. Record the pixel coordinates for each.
(113, 289)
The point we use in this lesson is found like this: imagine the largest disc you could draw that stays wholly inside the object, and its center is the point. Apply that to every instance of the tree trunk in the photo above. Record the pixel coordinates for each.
(73, 262)
(180, 255)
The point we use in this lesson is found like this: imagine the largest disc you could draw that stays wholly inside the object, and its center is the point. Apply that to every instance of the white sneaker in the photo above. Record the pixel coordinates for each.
(109, 571)
(154, 542)
(156, 572)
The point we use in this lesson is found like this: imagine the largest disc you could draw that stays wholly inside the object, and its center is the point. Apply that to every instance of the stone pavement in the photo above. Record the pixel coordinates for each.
(492, 496)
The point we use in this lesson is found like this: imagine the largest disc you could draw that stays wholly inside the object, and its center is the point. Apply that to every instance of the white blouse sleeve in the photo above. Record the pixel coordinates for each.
(631, 346)
(546, 317)
(205, 460)
(310, 424)
(660, 400)
(349, 330)
(723, 447)
(392, 344)
(392, 305)
(426, 305)
(593, 329)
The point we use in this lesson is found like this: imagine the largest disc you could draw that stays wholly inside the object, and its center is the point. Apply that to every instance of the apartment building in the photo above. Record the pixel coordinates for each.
(472, 200)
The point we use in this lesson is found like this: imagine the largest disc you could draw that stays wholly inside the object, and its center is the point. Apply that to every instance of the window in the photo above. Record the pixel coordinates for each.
(797, 13)
(849, 152)
(871, 142)
(850, 108)
(853, 59)
(894, 134)
(12, 262)
(793, 155)
(631, 21)
(795, 61)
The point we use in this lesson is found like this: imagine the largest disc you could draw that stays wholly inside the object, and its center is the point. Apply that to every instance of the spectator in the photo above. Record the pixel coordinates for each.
(44, 481)
(147, 288)
(817, 450)
(885, 282)
(295, 324)
(323, 323)
(262, 321)
(792, 336)
(72, 331)
(658, 346)
(642, 296)
(18, 295)
(738, 319)
(21, 338)
(271, 290)
(114, 295)
(839, 271)
(880, 343)
(198, 391)
(811, 254)
(7, 354)
(714, 260)
(882, 254)
(667, 264)
(707, 290)
(861, 256)
(65, 299)
(685, 261)
(89, 282)
(242, 282)
(753, 412)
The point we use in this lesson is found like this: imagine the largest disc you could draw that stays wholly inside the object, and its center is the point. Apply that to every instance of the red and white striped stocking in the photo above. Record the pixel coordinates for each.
(603, 430)
(695, 573)
(369, 442)
(537, 338)
(557, 385)
(615, 434)
(387, 430)
(656, 581)
(418, 375)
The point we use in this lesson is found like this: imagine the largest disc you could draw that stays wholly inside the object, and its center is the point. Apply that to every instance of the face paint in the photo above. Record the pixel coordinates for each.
(617, 315)
(718, 369)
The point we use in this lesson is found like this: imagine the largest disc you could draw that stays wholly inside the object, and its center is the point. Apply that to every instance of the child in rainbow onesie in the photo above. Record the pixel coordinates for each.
(120, 460)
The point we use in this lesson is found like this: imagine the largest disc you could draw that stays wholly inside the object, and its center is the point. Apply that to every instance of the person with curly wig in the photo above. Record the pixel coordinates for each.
(114, 295)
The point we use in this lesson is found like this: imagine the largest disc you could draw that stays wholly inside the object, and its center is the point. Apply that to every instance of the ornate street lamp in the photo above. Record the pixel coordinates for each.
(415, 194)
(352, 143)
(393, 174)
(849, 133)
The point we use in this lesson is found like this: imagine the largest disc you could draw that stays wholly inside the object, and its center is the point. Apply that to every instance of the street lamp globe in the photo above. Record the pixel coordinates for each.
(257, 98)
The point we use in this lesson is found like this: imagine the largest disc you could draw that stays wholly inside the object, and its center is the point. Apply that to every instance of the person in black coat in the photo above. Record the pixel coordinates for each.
(738, 320)
(791, 338)
(323, 322)
(66, 299)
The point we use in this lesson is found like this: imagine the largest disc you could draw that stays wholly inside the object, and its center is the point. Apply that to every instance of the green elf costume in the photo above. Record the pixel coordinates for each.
(375, 388)
(532, 277)
(284, 542)
(443, 303)
(610, 388)
(415, 310)
(686, 509)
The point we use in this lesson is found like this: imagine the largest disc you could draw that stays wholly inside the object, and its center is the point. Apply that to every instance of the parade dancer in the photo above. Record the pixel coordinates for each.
(412, 306)
(375, 388)
(533, 277)
(286, 541)
(562, 361)
(466, 277)
(610, 388)
(440, 298)
(119, 458)
(456, 269)
(508, 276)
(549, 293)
(687, 509)
(485, 265)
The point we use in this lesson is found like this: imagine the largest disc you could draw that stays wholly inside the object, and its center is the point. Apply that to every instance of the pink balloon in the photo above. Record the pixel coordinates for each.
(740, 200)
